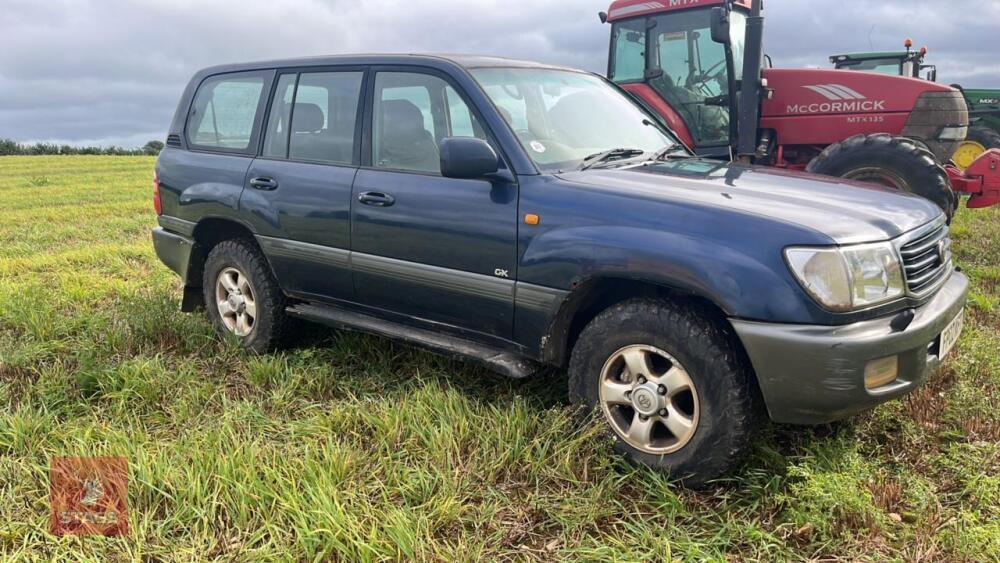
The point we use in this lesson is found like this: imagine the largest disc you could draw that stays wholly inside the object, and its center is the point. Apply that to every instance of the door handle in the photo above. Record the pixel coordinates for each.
(266, 184)
(377, 199)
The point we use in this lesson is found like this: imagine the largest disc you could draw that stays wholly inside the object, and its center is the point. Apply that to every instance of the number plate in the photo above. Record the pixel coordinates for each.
(951, 333)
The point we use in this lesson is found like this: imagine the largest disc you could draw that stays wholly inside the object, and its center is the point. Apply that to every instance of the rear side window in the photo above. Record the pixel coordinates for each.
(225, 111)
(313, 117)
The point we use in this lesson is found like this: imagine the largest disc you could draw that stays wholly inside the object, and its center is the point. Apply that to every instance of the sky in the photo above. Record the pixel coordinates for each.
(110, 72)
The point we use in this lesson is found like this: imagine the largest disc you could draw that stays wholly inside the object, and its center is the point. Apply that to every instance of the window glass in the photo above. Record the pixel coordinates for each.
(629, 39)
(884, 66)
(413, 112)
(695, 79)
(558, 125)
(511, 104)
(324, 114)
(276, 138)
(459, 115)
(224, 111)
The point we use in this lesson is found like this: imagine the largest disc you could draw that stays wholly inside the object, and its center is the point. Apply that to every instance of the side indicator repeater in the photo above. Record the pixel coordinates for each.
(532, 219)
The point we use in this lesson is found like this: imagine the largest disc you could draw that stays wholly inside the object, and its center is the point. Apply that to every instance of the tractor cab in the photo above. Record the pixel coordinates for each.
(699, 65)
(666, 55)
(907, 63)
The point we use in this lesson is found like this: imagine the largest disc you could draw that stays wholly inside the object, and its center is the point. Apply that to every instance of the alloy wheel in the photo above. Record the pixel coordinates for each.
(649, 399)
(236, 301)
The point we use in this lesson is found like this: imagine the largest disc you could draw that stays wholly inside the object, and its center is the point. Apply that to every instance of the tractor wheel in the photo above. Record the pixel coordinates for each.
(980, 140)
(895, 162)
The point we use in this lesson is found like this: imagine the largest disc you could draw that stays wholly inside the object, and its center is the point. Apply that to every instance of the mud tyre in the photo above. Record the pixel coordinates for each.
(705, 401)
(895, 162)
(242, 296)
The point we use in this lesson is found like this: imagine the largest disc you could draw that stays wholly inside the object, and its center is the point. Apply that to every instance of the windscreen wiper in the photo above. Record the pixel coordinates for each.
(611, 154)
(663, 153)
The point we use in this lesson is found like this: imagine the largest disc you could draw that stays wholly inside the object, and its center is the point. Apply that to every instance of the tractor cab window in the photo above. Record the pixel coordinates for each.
(689, 70)
(629, 44)
(884, 66)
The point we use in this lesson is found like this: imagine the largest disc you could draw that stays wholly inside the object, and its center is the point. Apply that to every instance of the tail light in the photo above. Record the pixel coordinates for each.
(157, 204)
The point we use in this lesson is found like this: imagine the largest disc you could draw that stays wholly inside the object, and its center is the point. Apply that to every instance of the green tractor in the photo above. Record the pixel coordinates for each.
(984, 105)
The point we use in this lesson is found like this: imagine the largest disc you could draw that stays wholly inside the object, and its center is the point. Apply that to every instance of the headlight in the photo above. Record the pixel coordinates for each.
(848, 278)
(953, 134)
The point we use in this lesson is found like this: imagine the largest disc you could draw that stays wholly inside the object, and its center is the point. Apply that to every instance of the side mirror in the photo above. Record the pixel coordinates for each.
(932, 74)
(720, 25)
(467, 158)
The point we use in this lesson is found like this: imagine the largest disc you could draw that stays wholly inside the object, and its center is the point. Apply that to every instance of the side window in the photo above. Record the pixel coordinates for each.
(630, 51)
(276, 138)
(413, 112)
(224, 111)
(314, 119)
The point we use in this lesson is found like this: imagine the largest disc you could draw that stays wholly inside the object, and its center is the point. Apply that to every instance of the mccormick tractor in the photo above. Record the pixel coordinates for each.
(699, 66)
(984, 105)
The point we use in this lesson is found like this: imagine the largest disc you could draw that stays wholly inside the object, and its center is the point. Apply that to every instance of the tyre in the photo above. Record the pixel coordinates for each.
(979, 140)
(671, 386)
(896, 162)
(242, 297)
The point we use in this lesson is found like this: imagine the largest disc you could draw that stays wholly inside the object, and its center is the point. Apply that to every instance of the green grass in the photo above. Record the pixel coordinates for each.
(352, 448)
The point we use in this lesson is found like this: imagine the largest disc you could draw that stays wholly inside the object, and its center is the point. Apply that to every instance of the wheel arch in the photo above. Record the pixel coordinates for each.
(207, 234)
(593, 295)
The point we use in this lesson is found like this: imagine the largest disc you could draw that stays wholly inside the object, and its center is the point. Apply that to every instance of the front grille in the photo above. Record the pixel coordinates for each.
(926, 258)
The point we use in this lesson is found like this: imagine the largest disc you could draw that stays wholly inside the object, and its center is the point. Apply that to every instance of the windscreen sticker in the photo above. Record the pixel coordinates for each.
(537, 147)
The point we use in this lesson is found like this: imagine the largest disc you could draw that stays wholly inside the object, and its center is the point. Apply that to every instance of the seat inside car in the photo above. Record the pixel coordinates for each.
(405, 143)
(311, 140)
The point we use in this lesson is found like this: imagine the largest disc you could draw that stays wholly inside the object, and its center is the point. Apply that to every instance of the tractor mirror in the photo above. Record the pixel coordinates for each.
(720, 25)
(932, 74)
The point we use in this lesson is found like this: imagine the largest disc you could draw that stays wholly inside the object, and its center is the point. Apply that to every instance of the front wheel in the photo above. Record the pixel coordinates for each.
(895, 162)
(670, 385)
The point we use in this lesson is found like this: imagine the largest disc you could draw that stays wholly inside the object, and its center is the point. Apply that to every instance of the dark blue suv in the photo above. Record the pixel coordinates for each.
(523, 215)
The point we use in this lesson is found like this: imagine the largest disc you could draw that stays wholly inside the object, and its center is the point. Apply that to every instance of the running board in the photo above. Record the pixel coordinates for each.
(496, 359)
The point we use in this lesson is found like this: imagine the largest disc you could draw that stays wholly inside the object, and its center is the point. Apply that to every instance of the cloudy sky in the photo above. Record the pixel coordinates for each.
(110, 71)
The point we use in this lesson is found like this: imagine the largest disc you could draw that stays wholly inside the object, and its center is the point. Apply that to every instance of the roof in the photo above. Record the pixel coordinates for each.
(869, 56)
(430, 59)
(624, 9)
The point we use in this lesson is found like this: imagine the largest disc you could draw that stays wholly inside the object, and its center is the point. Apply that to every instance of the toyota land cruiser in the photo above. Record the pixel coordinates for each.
(521, 215)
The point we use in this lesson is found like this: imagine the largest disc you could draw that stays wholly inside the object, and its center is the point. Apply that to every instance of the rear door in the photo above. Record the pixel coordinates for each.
(299, 189)
(205, 175)
(428, 247)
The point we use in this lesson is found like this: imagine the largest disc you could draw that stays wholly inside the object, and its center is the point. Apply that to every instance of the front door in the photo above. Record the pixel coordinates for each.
(428, 247)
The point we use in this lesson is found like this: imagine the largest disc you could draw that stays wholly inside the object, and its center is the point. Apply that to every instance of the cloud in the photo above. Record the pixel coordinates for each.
(110, 71)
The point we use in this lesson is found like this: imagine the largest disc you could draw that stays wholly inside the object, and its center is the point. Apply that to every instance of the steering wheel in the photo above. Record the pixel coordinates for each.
(702, 80)
(513, 93)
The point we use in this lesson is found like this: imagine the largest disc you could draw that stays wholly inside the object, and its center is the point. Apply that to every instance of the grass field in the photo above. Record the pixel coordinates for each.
(352, 448)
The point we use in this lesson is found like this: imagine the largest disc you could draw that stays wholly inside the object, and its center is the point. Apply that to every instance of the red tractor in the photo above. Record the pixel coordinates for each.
(685, 60)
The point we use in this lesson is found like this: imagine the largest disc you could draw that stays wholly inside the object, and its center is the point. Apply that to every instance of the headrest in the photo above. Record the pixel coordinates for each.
(402, 119)
(307, 118)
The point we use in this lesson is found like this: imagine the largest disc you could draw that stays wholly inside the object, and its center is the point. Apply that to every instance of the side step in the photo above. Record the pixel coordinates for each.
(500, 361)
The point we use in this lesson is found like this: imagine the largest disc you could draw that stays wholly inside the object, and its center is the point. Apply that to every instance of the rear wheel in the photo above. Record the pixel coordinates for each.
(980, 140)
(670, 385)
(242, 297)
(895, 162)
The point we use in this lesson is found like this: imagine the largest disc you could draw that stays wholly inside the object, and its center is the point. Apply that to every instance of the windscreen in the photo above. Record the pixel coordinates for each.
(562, 117)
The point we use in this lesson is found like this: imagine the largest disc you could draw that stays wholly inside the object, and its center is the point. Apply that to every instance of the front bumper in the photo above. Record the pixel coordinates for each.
(815, 374)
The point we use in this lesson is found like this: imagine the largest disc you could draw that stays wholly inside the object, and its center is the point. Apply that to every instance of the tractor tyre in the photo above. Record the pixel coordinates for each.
(979, 140)
(895, 162)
